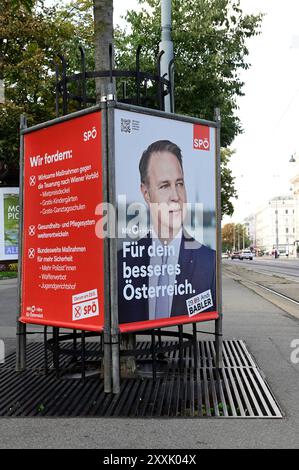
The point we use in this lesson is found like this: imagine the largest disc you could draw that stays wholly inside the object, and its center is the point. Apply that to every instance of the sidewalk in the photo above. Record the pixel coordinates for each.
(248, 277)
(268, 333)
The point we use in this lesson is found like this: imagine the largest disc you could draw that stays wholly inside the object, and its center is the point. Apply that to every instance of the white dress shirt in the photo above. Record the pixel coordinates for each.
(172, 259)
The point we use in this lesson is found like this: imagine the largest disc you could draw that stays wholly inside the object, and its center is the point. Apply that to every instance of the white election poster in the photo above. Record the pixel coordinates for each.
(166, 197)
(9, 223)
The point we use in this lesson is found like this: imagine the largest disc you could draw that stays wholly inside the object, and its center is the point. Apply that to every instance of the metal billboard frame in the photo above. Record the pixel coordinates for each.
(111, 331)
(115, 330)
(22, 327)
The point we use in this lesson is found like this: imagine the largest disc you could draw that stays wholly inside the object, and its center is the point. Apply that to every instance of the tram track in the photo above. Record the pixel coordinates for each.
(270, 291)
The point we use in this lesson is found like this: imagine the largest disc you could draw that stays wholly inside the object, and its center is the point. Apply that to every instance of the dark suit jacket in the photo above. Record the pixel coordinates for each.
(198, 266)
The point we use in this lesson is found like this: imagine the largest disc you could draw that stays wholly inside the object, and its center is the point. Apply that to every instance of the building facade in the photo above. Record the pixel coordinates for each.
(275, 225)
(249, 223)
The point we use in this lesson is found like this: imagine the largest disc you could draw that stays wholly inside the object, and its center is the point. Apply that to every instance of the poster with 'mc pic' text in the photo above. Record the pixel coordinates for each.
(166, 198)
(9, 223)
(62, 258)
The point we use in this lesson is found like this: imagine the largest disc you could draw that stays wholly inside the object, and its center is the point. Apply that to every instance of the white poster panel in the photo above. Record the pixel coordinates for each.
(9, 223)
(166, 197)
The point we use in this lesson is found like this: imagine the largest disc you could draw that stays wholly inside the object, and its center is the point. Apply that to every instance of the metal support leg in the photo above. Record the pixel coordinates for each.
(181, 348)
(56, 350)
(195, 347)
(21, 347)
(218, 343)
(160, 355)
(46, 350)
(115, 362)
(107, 362)
(154, 362)
(83, 357)
(75, 345)
(218, 322)
(159, 338)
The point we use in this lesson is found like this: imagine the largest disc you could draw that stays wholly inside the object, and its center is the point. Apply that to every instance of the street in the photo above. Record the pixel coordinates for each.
(281, 266)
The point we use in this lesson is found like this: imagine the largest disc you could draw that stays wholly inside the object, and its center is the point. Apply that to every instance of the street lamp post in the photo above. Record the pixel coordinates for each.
(166, 45)
(234, 234)
(293, 160)
(276, 227)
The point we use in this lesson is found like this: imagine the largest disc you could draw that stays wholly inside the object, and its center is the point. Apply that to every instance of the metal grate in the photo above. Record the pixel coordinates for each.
(238, 390)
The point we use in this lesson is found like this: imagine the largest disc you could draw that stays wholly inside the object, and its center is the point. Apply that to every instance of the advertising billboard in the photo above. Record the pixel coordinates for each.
(62, 258)
(165, 189)
(9, 223)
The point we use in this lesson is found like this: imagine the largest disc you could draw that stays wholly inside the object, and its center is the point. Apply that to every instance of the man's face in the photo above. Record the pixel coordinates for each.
(165, 193)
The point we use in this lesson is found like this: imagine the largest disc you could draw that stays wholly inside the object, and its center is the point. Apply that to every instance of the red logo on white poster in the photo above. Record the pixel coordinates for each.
(201, 137)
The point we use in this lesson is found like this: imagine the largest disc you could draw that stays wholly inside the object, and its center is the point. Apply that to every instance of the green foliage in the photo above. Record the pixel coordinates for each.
(232, 237)
(27, 4)
(228, 191)
(209, 47)
(30, 39)
(7, 275)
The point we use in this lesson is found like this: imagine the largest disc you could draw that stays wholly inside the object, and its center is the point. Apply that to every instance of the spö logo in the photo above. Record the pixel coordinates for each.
(90, 135)
(201, 137)
(85, 305)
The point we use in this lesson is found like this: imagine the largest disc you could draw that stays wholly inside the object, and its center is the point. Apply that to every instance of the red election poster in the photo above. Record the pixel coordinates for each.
(63, 260)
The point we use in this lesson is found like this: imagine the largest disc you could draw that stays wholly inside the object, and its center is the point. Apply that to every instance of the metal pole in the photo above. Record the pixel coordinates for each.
(21, 327)
(113, 244)
(57, 90)
(107, 320)
(83, 356)
(83, 71)
(195, 347)
(46, 349)
(276, 227)
(138, 80)
(56, 350)
(166, 45)
(64, 86)
(234, 232)
(218, 322)
(154, 359)
(181, 357)
(160, 84)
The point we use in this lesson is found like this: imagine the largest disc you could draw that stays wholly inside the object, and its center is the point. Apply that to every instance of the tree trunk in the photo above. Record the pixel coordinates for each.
(103, 27)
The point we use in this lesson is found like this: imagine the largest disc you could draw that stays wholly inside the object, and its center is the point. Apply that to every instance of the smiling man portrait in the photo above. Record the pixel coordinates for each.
(174, 267)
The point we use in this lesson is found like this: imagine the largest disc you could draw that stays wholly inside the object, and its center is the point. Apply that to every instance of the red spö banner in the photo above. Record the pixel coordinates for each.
(201, 137)
(62, 258)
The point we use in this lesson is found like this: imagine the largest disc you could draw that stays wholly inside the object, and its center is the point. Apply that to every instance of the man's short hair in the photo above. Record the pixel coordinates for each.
(158, 146)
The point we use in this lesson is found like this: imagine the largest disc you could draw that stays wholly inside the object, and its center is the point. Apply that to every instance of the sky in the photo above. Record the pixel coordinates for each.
(268, 111)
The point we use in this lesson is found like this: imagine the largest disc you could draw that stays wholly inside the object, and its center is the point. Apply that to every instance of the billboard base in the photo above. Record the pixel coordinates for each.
(205, 393)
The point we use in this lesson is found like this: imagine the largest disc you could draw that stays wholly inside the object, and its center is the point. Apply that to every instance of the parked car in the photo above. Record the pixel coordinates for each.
(246, 254)
(225, 256)
(235, 255)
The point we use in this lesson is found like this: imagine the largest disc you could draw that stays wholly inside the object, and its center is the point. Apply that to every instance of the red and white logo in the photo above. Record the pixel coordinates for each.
(201, 137)
(85, 305)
